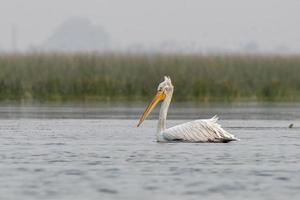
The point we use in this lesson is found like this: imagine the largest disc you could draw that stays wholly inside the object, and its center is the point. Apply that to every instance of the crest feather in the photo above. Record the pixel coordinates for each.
(168, 80)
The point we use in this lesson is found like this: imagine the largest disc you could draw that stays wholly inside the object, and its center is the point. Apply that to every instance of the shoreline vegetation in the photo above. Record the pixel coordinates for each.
(108, 77)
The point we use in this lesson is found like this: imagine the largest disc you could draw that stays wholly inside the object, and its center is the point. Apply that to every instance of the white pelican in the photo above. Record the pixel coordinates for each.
(203, 130)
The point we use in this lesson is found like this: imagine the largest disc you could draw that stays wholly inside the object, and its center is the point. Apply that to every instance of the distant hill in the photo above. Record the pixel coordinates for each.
(77, 34)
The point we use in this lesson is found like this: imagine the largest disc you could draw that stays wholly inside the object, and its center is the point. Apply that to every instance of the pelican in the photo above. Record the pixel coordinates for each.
(202, 130)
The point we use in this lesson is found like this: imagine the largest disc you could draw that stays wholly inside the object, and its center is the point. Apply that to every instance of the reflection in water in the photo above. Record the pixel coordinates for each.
(268, 111)
(95, 152)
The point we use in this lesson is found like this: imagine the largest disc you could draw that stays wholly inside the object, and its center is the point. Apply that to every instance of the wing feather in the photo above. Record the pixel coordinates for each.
(207, 130)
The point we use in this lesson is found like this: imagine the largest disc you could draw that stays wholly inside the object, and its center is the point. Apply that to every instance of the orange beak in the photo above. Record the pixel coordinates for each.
(160, 96)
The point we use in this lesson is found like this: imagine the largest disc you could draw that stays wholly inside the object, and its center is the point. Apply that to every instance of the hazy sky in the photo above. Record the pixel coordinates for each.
(205, 23)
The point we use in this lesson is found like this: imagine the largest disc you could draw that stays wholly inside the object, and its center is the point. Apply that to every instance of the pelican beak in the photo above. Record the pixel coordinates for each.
(160, 96)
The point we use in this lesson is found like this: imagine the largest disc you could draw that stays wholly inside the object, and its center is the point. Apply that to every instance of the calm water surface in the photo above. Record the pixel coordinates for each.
(96, 152)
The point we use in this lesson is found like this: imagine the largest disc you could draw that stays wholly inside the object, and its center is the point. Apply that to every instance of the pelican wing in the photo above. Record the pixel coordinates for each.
(207, 130)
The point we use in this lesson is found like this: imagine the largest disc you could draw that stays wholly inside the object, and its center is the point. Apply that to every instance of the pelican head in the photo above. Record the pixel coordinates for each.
(164, 91)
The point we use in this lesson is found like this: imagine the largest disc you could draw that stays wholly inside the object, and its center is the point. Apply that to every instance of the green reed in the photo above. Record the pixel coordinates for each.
(115, 77)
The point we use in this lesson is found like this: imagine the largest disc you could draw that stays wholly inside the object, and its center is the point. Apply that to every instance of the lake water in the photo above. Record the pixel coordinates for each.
(96, 152)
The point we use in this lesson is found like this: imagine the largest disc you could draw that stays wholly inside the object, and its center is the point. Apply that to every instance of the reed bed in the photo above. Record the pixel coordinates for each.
(125, 77)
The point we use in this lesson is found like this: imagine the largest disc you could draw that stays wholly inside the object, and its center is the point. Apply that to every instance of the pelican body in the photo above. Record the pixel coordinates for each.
(203, 130)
